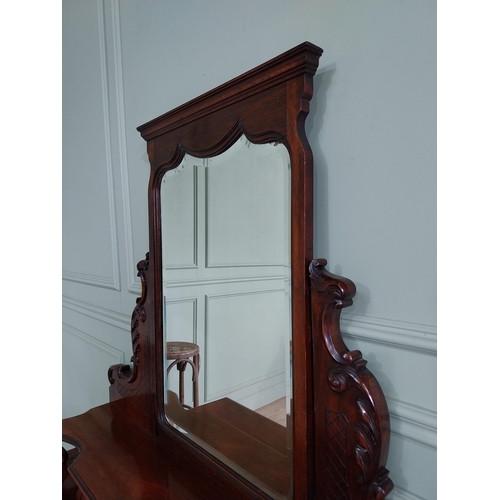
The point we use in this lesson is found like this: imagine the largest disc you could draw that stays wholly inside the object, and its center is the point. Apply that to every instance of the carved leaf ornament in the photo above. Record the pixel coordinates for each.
(133, 382)
(355, 399)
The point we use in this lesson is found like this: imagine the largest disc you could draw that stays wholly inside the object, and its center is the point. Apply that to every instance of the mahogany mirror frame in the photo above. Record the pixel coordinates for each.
(268, 104)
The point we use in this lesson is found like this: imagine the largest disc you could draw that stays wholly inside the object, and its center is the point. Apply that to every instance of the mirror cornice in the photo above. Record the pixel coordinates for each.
(302, 59)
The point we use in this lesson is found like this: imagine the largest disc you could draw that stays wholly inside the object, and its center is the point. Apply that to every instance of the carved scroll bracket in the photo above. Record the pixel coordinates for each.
(342, 289)
(349, 403)
(133, 383)
(138, 318)
(340, 292)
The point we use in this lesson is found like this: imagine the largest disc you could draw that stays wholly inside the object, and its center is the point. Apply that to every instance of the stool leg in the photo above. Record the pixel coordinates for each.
(182, 368)
(196, 371)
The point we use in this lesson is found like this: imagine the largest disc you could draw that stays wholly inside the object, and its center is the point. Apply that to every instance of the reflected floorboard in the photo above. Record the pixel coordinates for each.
(253, 445)
(275, 411)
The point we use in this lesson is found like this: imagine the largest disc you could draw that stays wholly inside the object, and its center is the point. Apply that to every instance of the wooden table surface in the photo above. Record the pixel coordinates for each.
(119, 460)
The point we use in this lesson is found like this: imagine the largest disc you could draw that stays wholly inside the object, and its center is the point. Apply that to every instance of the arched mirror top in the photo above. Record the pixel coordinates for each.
(228, 142)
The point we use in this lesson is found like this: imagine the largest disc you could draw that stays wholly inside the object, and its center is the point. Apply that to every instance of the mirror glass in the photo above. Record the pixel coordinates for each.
(225, 225)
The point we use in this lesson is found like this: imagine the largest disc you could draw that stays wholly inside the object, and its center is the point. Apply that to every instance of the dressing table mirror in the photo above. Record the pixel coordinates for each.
(240, 385)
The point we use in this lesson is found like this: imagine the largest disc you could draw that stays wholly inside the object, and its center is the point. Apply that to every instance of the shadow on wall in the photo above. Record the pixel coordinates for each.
(314, 123)
(323, 81)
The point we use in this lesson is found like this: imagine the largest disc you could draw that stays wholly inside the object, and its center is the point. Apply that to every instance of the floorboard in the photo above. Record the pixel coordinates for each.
(275, 411)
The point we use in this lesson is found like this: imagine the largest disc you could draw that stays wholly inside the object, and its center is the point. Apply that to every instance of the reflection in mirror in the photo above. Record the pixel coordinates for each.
(227, 323)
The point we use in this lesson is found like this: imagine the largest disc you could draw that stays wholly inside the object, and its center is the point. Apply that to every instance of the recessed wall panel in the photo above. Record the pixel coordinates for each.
(88, 223)
(248, 208)
(246, 343)
(86, 360)
(178, 217)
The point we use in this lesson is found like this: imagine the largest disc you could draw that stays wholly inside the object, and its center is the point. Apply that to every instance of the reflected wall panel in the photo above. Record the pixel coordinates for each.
(246, 346)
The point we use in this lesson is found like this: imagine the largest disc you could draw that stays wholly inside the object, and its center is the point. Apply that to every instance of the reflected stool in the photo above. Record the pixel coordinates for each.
(181, 352)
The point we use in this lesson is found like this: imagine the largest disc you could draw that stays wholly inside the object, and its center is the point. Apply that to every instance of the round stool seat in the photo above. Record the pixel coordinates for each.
(181, 350)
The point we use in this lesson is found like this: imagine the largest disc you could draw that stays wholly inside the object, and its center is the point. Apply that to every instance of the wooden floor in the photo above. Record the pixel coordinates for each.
(275, 411)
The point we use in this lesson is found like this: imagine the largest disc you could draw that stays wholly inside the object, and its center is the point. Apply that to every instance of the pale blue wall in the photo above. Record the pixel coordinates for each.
(372, 128)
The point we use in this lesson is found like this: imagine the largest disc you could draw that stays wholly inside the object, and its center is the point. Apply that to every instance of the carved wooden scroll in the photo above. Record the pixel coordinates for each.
(352, 425)
(134, 382)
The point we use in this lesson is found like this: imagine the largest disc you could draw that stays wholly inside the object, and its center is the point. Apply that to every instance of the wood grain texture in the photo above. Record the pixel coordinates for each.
(119, 459)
